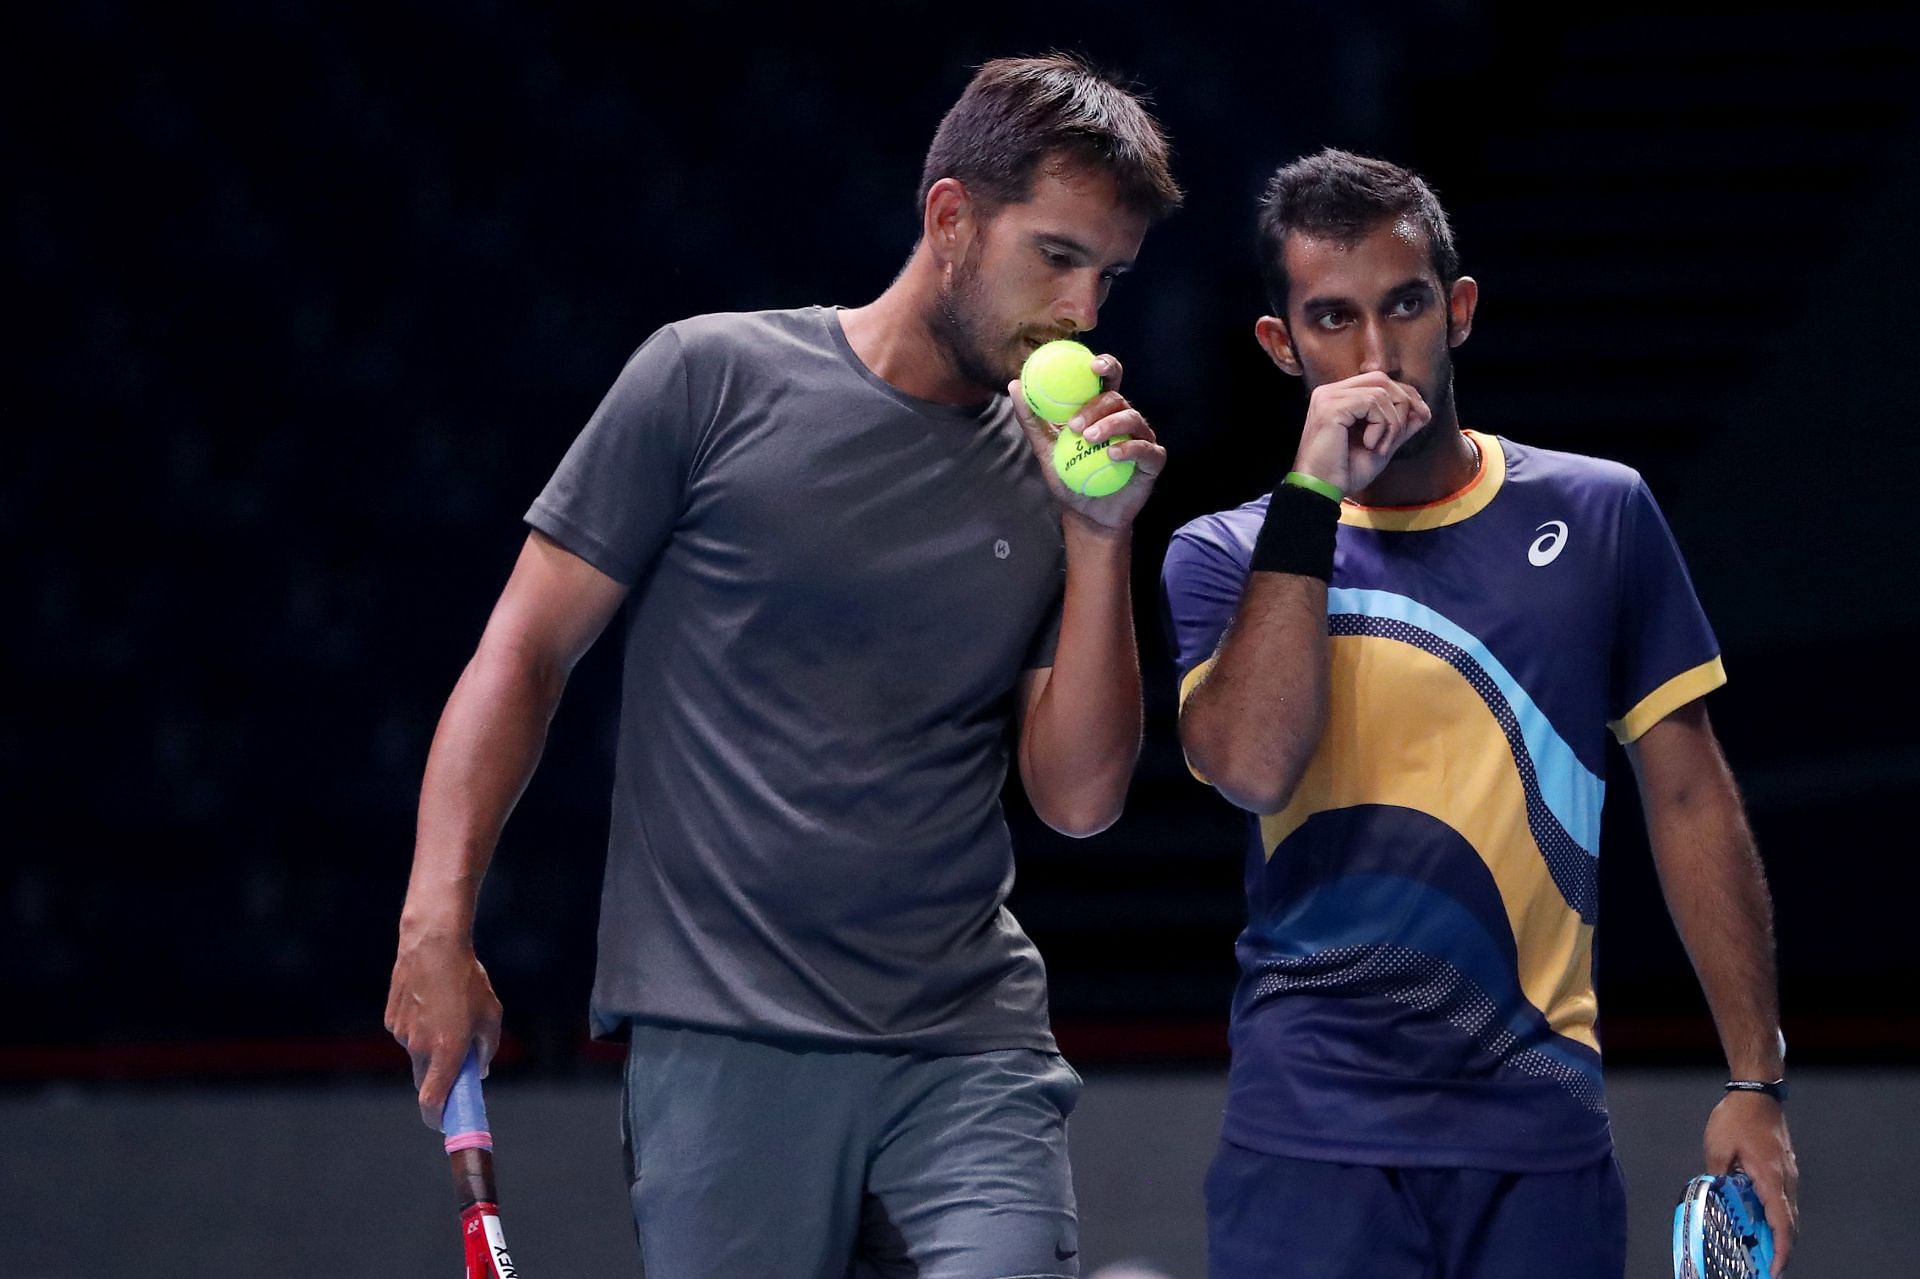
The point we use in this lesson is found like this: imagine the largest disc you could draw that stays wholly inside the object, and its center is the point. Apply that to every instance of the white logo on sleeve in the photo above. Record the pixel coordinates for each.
(1547, 547)
(1000, 548)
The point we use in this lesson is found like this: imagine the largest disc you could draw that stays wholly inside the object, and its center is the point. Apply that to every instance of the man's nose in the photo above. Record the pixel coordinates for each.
(1078, 306)
(1374, 356)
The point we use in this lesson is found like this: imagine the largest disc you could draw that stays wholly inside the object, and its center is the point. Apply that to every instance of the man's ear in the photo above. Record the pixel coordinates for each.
(1462, 301)
(1271, 333)
(949, 222)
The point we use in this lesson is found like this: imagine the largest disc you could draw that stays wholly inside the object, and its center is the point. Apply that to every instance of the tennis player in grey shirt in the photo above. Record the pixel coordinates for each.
(853, 590)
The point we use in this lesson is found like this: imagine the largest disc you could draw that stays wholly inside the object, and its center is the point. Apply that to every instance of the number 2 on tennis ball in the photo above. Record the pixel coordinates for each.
(1084, 466)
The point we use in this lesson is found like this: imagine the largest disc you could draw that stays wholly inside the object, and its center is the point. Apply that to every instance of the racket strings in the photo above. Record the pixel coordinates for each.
(1719, 1239)
(1727, 1243)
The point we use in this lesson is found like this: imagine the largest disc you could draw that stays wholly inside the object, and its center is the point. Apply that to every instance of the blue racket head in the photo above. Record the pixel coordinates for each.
(1682, 1211)
(1720, 1231)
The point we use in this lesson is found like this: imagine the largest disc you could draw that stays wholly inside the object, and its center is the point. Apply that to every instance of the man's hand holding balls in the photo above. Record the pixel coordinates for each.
(1105, 457)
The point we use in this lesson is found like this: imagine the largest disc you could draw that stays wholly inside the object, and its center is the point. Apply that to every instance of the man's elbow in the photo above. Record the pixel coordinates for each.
(1077, 829)
(1261, 792)
(1249, 779)
(1081, 822)
(528, 669)
(1082, 812)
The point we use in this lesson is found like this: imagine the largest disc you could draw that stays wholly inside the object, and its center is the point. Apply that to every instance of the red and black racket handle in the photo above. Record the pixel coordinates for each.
(485, 1243)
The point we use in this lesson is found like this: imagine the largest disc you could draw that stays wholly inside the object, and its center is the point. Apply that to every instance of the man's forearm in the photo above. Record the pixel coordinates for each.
(1082, 738)
(484, 752)
(1718, 896)
(1253, 722)
(1714, 885)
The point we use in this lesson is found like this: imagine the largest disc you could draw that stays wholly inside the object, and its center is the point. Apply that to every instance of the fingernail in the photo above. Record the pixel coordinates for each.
(1075, 424)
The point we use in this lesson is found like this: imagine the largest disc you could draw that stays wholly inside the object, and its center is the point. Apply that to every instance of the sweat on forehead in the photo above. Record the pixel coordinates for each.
(1400, 235)
(1404, 228)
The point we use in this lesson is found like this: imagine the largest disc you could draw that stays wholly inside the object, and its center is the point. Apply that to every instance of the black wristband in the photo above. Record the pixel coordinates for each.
(1298, 534)
(1774, 1088)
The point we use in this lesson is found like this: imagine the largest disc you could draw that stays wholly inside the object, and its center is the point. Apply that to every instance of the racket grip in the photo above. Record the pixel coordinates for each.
(470, 1150)
(464, 1120)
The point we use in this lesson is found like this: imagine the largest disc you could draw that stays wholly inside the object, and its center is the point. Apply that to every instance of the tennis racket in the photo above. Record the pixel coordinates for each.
(470, 1150)
(1720, 1231)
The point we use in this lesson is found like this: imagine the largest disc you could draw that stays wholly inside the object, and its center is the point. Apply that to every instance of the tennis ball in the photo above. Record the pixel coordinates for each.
(1084, 466)
(1058, 378)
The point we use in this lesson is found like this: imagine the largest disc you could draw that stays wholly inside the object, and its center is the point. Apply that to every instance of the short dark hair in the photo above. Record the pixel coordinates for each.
(1016, 112)
(1341, 196)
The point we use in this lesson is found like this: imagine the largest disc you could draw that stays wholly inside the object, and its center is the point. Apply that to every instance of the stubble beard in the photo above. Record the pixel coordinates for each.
(1439, 426)
(957, 324)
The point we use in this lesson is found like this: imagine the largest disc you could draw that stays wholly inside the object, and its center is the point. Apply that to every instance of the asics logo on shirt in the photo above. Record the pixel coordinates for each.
(1547, 547)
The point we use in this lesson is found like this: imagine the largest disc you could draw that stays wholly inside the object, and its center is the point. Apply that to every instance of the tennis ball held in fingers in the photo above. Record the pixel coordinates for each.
(1084, 467)
(1057, 381)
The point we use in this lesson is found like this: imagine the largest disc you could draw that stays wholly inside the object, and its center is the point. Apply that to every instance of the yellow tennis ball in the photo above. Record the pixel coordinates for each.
(1058, 378)
(1084, 466)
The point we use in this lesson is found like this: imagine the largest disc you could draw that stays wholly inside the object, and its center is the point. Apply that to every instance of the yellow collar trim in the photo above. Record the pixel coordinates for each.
(1451, 509)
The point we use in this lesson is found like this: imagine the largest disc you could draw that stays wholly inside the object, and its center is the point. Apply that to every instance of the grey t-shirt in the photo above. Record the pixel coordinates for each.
(836, 589)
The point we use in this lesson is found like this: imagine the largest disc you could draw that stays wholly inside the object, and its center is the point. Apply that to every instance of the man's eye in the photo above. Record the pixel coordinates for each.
(1053, 259)
(1329, 320)
(1410, 306)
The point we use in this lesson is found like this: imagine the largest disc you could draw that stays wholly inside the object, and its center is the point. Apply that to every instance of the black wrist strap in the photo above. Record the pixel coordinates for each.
(1298, 534)
(1774, 1088)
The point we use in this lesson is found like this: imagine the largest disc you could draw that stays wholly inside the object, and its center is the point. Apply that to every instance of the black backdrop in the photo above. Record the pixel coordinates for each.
(308, 302)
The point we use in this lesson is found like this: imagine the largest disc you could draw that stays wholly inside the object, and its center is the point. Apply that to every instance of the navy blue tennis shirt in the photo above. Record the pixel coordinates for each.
(1416, 980)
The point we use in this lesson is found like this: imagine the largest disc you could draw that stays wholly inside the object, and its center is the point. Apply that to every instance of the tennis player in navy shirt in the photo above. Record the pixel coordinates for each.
(1404, 663)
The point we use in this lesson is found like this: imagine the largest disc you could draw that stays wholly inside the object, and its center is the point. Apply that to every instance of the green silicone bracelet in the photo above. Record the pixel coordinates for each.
(1300, 479)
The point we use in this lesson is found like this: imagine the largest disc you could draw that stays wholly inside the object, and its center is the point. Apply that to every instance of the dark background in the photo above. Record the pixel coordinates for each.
(308, 302)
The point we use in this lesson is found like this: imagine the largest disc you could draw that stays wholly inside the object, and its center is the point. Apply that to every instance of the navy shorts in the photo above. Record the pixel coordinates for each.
(749, 1158)
(1272, 1217)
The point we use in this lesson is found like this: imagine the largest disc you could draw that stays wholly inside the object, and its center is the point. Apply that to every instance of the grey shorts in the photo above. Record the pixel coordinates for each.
(750, 1158)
